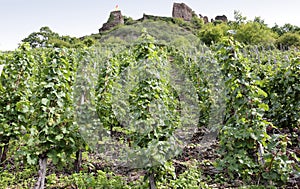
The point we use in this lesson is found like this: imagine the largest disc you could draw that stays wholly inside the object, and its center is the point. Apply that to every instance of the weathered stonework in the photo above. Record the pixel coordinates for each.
(181, 10)
(115, 19)
(205, 18)
(222, 18)
(155, 18)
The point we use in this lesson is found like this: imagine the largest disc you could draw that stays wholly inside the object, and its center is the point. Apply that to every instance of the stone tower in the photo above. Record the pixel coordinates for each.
(115, 19)
(181, 10)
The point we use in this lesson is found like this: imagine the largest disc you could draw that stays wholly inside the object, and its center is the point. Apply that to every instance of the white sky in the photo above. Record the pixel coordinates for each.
(19, 18)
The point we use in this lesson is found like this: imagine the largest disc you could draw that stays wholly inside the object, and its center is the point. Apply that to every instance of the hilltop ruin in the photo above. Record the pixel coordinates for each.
(180, 10)
(115, 18)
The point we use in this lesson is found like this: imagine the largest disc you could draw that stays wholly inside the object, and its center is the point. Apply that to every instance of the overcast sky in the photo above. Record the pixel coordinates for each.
(19, 18)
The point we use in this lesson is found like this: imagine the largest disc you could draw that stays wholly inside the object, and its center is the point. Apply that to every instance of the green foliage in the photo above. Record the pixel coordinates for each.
(1, 69)
(84, 180)
(286, 28)
(244, 136)
(259, 20)
(282, 84)
(152, 105)
(164, 33)
(200, 74)
(47, 38)
(16, 84)
(89, 41)
(38, 111)
(53, 132)
(197, 22)
(180, 22)
(151, 90)
(40, 38)
(24, 179)
(152, 18)
(37, 97)
(244, 125)
(59, 43)
(154, 86)
(239, 18)
(255, 33)
(211, 33)
(20, 179)
(129, 20)
(107, 74)
(69, 42)
(191, 178)
(279, 72)
(288, 40)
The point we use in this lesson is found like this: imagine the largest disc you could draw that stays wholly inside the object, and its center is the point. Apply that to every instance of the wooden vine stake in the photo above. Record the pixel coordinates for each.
(40, 184)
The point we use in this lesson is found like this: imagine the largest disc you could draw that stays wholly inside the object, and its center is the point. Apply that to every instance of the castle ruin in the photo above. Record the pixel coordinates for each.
(180, 10)
(115, 18)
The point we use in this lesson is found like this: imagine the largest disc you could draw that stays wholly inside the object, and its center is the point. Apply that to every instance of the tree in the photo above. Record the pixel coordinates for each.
(89, 41)
(255, 33)
(277, 29)
(259, 20)
(197, 22)
(211, 33)
(47, 38)
(285, 28)
(41, 38)
(239, 18)
(288, 40)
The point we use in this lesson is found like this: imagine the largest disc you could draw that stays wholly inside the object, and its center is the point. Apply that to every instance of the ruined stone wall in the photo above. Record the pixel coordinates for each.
(115, 19)
(155, 18)
(181, 10)
(222, 18)
(205, 19)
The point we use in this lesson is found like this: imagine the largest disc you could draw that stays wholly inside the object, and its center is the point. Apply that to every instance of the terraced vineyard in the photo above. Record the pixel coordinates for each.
(150, 114)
